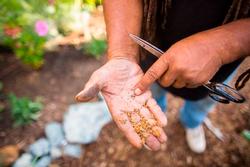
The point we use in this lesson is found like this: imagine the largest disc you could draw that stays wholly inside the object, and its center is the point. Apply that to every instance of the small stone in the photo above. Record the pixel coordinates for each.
(40, 147)
(55, 152)
(24, 161)
(54, 133)
(8, 154)
(83, 122)
(73, 150)
(43, 162)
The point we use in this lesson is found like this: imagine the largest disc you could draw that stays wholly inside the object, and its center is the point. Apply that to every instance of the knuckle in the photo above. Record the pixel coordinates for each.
(178, 69)
(189, 78)
(152, 74)
(164, 83)
(166, 59)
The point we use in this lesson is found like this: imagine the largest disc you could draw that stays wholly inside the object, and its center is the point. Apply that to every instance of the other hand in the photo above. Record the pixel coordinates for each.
(189, 63)
(138, 117)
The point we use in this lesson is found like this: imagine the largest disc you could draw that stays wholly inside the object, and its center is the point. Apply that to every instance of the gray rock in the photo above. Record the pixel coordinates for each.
(73, 150)
(40, 147)
(83, 122)
(43, 161)
(25, 160)
(54, 133)
(55, 152)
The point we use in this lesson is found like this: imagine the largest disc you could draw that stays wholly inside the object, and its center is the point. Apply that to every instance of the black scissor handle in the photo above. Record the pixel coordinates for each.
(218, 98)
(224, 92)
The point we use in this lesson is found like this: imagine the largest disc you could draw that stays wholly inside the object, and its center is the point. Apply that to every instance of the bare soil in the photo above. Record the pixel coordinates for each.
(65, 73)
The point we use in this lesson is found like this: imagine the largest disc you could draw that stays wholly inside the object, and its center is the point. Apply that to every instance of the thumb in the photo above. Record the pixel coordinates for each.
(91, 89)
(151, 75)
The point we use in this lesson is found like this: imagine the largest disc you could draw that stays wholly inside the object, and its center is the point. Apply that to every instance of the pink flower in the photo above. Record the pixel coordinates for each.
(41, 27)
(51, 2)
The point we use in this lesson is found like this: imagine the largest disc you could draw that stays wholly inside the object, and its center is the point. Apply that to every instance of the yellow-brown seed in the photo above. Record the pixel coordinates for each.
(143, 127)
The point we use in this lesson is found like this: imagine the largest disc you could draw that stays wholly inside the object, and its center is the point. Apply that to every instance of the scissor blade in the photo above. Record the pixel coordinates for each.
(147, 46)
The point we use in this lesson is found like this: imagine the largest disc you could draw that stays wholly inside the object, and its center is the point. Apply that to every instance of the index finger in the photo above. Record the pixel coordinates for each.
(151, 75)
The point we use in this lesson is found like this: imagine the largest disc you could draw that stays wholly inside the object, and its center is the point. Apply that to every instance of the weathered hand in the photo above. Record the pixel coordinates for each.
(139, 117)
(194, 60)
(190, 62)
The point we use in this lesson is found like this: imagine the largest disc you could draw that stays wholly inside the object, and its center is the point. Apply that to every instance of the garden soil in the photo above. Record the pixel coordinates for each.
(65, 73)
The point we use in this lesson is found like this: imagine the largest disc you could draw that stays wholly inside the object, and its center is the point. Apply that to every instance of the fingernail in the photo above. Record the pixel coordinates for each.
(147, 147)
(78, 96)
(137, 91)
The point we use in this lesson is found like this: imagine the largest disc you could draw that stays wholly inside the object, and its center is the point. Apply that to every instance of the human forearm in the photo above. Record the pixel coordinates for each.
(233, 39)
(122, 17)
(241, 31)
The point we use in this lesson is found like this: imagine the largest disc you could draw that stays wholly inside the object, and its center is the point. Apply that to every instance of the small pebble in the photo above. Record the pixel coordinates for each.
(43, 162)
(83, 122)
(73, 150)
(40, 147)
(54, 133)
(8, 154)
(24, 161)
(55, 152)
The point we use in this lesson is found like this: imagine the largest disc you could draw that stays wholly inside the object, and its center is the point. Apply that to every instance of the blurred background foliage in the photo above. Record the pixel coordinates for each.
(96, 47)
(27, 25)
(23, 110)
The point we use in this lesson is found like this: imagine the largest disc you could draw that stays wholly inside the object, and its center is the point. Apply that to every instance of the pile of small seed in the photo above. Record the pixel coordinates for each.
(143, 127)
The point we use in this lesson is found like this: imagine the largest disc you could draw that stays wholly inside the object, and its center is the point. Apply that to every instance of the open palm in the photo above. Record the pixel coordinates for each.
(139, 117)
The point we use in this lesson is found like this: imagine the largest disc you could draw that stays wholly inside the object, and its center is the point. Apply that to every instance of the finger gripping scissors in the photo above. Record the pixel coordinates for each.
(217, 91)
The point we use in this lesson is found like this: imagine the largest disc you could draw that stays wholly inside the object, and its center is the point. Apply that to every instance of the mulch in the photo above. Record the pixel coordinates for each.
(65, 73)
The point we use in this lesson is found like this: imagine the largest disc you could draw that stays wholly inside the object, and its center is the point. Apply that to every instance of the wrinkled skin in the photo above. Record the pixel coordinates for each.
(116, 80)
(194, 60)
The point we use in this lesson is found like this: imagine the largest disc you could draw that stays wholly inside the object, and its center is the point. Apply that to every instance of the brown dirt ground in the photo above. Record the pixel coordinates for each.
(65, 73)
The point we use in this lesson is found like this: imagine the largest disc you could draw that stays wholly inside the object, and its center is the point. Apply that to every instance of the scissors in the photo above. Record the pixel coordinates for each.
(217, 91)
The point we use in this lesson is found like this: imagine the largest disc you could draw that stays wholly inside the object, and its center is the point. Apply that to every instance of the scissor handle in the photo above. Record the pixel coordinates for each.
(225, 92)
(218, 98)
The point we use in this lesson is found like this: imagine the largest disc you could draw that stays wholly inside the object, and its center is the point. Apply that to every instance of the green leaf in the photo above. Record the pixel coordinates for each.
(23, 110)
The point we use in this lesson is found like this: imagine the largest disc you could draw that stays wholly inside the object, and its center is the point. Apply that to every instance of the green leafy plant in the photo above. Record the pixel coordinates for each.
(18, 25)
(96, 47)
(18, 30)
(23, 110)
(29, 48)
